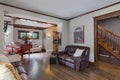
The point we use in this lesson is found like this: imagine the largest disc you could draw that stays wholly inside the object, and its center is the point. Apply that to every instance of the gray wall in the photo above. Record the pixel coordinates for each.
(112, 24)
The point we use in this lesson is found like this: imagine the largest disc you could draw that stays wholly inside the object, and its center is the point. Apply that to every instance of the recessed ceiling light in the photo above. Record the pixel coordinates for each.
(49, 24)
(23, 20)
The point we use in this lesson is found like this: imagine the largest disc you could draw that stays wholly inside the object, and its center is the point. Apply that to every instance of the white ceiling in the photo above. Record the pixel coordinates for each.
(65, 9)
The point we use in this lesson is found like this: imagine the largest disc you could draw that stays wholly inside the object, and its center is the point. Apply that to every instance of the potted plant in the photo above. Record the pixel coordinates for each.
(26, 38)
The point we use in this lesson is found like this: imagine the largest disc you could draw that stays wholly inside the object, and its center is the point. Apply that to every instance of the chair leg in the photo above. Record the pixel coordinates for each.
(29, 53)
(21, 57)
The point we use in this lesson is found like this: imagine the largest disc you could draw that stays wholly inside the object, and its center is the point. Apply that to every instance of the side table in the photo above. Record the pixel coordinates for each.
(14, 58)
(53, 59)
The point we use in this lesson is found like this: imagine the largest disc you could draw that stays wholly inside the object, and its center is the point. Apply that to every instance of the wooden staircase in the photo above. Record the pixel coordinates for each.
(109, 41)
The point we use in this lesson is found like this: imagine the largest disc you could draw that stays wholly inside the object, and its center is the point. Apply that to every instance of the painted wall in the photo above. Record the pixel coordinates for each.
(49, 40)
(61, 24)
(112, 24)
(9, 35)
(1, 29)
(34, 41)
(88, 22)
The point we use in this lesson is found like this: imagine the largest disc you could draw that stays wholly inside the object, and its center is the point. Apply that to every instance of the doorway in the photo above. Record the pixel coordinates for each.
(96, 46)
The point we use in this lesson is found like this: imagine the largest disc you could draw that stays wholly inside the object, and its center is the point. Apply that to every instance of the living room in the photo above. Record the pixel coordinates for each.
(66, 27)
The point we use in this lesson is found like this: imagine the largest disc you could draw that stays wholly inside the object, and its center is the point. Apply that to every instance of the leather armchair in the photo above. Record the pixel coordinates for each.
(78, 63)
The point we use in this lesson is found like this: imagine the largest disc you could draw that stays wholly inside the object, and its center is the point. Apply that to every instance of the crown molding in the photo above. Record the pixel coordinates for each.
(95, 10)
(31, 11)
(59, 17)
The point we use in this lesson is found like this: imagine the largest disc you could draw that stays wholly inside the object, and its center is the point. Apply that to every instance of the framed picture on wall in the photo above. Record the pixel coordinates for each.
(79, 34)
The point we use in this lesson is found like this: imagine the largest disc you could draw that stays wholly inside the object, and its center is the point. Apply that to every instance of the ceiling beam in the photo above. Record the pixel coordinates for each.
(28, 27)
(30, 20)
(30, 10)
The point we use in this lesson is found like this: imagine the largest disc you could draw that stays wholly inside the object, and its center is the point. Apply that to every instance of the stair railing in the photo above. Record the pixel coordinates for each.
(109, 39)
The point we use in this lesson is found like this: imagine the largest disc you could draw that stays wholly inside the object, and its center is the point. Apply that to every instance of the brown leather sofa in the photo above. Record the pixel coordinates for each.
(78, 63)
(21, 71)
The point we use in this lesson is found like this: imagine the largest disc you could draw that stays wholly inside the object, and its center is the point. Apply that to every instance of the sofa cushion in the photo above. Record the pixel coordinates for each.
(70, 53)
(21, 69)
(24, 76)
(78, 52)
(63, 56)
(7, 72)
(70, 59)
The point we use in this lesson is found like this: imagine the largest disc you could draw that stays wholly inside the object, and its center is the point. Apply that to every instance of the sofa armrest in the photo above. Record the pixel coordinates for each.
(79, 60)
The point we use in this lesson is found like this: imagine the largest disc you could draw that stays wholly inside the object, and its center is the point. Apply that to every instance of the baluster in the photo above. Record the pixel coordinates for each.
(103, 39)
(108, 42)
(119, 45)
(115, 43)
(111, 42)
(118, 48)
(99, 34)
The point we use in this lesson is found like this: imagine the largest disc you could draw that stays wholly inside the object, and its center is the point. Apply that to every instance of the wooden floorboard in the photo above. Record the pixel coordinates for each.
(38, 68)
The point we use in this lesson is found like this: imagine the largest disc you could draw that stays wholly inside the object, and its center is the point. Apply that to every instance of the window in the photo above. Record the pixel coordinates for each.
(33, 35)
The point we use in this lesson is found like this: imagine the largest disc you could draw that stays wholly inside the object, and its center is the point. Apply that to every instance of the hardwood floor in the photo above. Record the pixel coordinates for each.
(38, 68)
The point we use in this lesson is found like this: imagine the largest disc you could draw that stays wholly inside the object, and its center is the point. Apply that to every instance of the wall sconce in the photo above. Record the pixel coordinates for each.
(49, 35)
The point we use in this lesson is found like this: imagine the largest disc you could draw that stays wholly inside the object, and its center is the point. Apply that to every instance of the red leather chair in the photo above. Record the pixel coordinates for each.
(25, 48)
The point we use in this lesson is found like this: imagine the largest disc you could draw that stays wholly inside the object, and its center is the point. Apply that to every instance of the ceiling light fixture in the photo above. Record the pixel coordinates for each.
(23, 20)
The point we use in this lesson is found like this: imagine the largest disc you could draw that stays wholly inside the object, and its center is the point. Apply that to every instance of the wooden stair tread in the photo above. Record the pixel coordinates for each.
(114, 53)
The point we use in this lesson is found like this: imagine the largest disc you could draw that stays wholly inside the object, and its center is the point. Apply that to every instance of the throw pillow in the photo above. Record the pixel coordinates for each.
(78, 52)
(4, 58)
(7, 72)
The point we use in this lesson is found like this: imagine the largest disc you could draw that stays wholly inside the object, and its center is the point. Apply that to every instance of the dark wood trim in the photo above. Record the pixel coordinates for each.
(30, 11)
(96, 19)
(96, 10)
(95, 44)
(30, 20)
(107, 16)
(28, 27)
